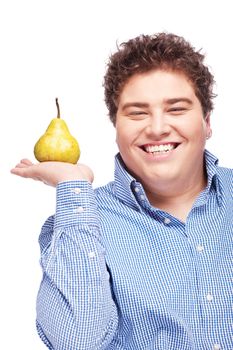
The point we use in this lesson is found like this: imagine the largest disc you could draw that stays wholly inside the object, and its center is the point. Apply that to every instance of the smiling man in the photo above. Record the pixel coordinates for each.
(144, 262)
(161, 134)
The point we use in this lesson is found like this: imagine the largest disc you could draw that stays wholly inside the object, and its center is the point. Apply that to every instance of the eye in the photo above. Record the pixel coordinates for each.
(177, 110)
(137, 113)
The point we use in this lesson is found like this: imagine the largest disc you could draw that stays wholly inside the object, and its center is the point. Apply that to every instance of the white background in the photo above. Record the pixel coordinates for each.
(59, 49)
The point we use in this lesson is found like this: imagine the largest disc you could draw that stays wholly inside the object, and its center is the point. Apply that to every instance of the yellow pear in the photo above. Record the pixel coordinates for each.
(57, 144)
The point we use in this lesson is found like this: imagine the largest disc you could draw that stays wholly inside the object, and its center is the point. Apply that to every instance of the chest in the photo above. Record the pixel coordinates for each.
(160, 265)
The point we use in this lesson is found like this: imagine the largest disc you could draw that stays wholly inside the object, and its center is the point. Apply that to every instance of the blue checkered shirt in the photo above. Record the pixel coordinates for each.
(121, 274)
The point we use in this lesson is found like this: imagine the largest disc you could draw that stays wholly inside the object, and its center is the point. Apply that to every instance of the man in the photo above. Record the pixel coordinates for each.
(145, 261)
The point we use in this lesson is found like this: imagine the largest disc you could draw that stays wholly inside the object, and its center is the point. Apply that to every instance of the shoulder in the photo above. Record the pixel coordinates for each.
(225, 173)
(111, 203)
(225, 176)
(105, 194)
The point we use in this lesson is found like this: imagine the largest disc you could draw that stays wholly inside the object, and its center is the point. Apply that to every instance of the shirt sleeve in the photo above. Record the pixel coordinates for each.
(75, 309)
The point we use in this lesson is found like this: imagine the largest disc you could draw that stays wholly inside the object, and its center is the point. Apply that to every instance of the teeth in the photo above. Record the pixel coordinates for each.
(160, 148)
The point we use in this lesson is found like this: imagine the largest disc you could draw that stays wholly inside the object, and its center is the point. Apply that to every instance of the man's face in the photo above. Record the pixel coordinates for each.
(160, 129)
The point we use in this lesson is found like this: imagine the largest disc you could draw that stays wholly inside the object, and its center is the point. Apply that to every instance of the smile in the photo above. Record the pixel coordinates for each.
(158, 149)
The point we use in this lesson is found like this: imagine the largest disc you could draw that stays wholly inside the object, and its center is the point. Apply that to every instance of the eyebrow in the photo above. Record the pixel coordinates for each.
(171, 101)
(135, 104)
(168, 101)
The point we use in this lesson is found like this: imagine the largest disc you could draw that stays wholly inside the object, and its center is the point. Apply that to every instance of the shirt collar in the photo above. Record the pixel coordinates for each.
(213, 181)
(211, 163)
(125, 183)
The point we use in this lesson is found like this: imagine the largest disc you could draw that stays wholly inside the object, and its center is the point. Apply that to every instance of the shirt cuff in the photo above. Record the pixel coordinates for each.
(75, 205)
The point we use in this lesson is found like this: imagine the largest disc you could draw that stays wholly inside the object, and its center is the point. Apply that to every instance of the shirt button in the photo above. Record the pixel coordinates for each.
(200, 248)
(136, 189)
(91, 255)
(217, 347)
(79, 210)
(167, 221)
(142, 197)
(76, 190)
(209, 297)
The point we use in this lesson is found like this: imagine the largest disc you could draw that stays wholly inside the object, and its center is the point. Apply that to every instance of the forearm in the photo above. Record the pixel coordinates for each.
(75, 308)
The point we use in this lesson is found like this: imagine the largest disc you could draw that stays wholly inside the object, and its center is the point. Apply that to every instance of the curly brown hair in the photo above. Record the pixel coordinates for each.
(159, 51)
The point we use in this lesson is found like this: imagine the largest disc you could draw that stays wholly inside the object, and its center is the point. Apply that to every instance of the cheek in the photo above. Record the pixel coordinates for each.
(195, 129)
(126, 133)
(121, 138)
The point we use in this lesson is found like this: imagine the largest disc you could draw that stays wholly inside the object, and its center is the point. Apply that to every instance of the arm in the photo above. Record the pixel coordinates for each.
(74, 307)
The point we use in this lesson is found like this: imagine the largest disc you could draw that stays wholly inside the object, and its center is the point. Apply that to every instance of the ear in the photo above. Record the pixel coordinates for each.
(208, 126)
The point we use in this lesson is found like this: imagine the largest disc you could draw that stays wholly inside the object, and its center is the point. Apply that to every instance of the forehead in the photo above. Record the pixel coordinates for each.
(157, 85)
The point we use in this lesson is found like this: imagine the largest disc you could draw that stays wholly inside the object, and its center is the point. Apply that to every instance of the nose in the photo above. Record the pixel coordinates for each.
(158, 125)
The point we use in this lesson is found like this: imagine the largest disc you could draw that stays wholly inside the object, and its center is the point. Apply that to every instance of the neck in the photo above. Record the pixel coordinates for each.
(176, 199)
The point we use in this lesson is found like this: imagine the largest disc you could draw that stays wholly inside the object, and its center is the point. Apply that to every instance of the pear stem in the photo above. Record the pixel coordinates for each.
(58, 108)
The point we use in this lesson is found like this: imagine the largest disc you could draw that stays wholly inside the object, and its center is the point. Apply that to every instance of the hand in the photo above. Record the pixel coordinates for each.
(51, 173)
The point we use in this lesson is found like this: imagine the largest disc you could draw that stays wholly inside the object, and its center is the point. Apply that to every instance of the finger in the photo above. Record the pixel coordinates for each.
(24, 173)
(20, 171)
(23, 170)
(26, 161)
(21, 165)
